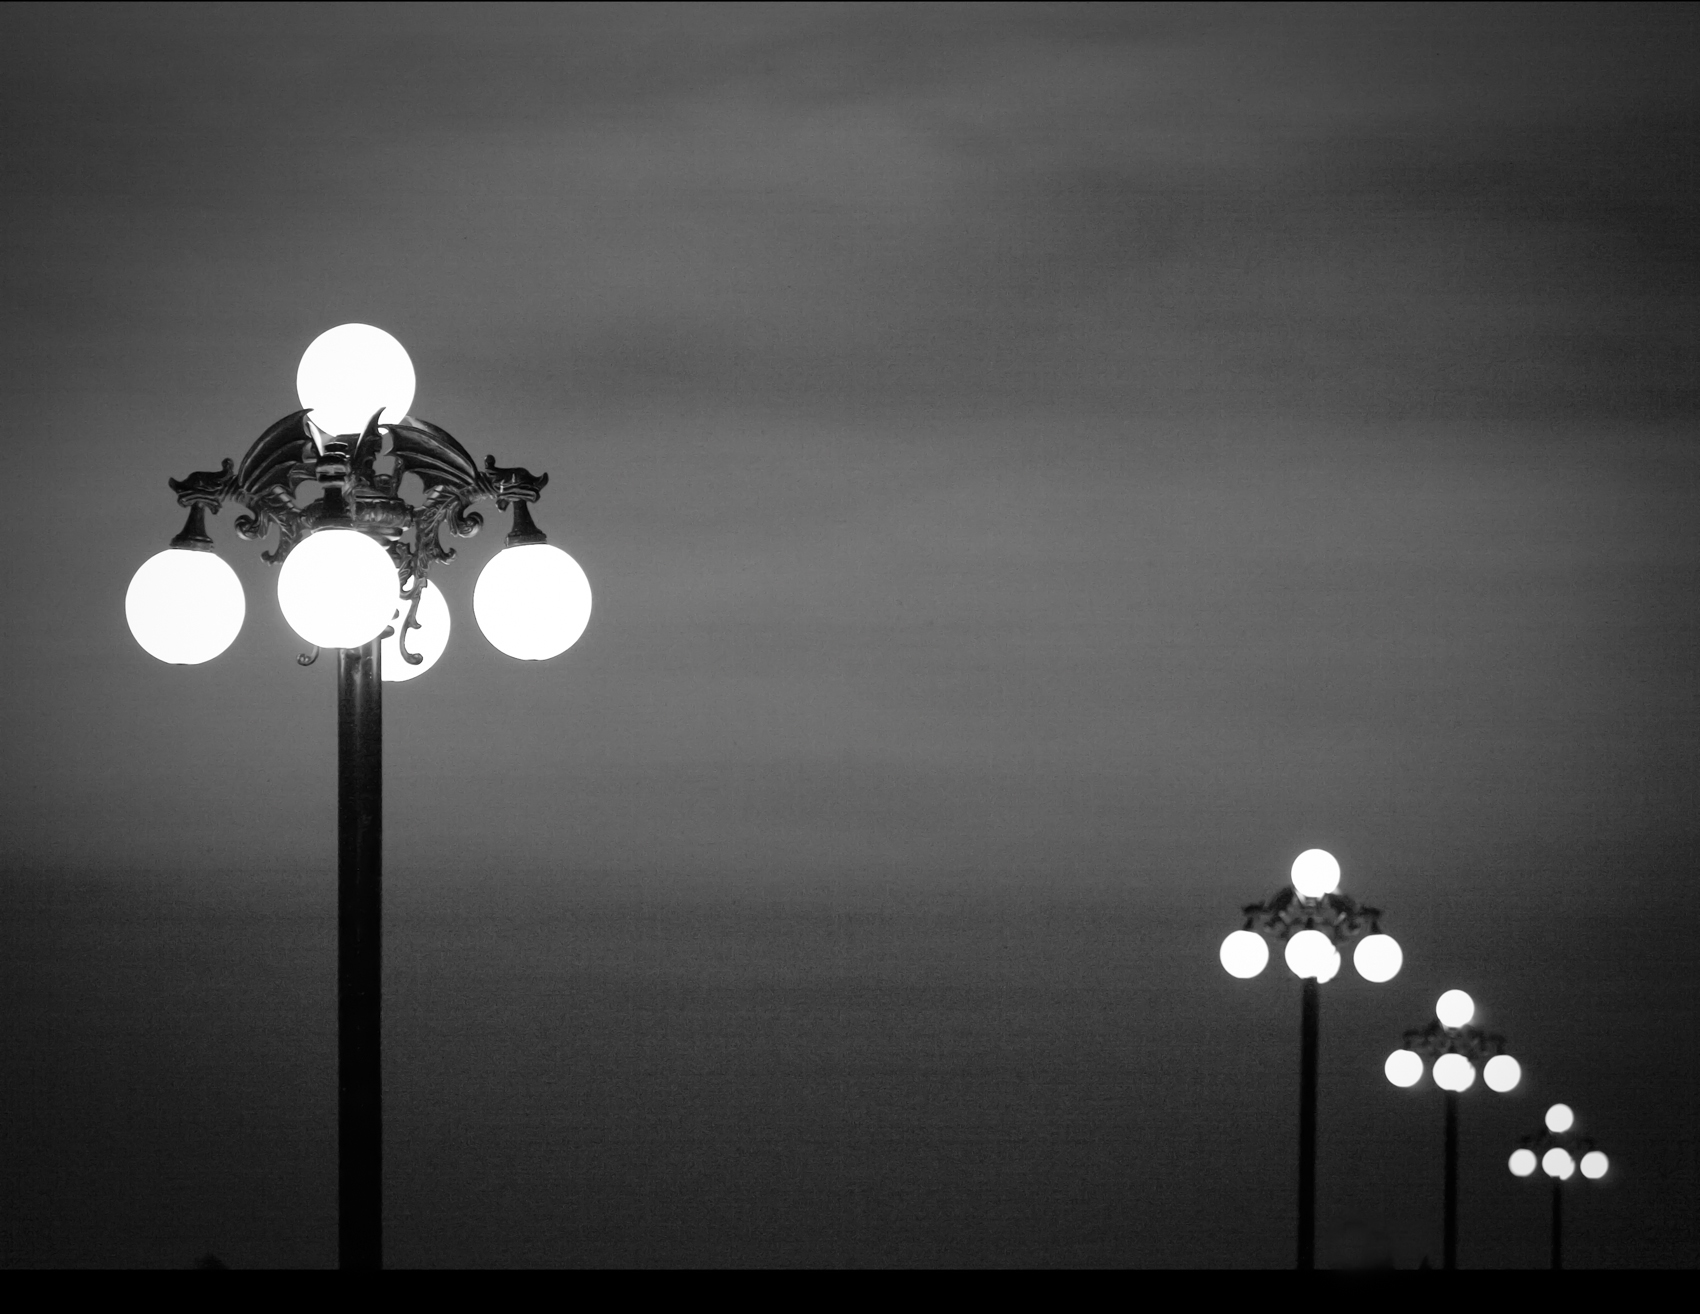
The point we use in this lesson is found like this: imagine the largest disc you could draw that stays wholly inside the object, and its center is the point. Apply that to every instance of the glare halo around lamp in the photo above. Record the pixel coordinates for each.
(351, 372)
(1378, 958)
(347, 559)
(337, 588)
(1560, 1118)
(1312, 954)
(1315, 873)
(426, 639)
(1244, 954)
(1312, 919)
(1455, 1009)
(185, 606)
(532, 601)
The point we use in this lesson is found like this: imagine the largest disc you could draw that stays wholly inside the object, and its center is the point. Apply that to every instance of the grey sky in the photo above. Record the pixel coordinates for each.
(1096, 450)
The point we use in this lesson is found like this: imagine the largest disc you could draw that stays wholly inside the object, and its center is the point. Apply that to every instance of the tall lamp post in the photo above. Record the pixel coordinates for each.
(1457, 1050)
(1313, 918)
(1559, 1151)
(353, 576)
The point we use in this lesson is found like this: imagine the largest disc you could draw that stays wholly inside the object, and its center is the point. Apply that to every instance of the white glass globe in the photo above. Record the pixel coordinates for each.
(532, 601)
(337, 588)
(351, 371)
(1311, 953)
(1523, 1162)
(1502, 1073)
(1454, 1072)
(1594, 1165)
(1245, 954)
(1455, 1009)
(184, 606)
(1315, 873)
(1378, 958)
(1560, 1118)
(1557, 1162)
(428, 641)
(1404, 1067)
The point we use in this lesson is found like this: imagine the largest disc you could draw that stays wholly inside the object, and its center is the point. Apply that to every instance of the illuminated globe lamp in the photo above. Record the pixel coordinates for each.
(354, 577)
(1561, 1152)
(1458, 1052)
(1311, 919)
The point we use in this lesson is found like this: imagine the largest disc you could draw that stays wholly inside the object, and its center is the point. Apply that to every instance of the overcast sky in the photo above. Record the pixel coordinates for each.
(1039, 468)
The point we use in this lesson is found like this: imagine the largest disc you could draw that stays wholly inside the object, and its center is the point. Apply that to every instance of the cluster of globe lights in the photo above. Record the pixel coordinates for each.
(1311, 953)
(338, 587)
(1454, 1072)
(1558, 1163)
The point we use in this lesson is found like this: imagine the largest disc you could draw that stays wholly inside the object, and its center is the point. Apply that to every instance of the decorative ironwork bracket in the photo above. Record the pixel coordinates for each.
(1472, 1042)
(1338, 916)
(356, 495)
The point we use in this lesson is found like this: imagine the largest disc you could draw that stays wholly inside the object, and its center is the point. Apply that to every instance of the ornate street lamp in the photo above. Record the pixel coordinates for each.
(1559, 1151)
(354, 567)
(1458, 1050)
(1314, 919)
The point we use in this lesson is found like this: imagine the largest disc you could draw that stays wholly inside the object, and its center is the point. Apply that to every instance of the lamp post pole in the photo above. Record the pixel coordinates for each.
(1311, 919)
(1308, 1010)
(1457, 1050)
(1557, 1224)
(354, 575)
(1449, 1232)
(360, 838)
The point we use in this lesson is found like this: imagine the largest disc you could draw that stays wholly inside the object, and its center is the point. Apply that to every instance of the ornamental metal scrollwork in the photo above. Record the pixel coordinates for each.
(1338, 916)
(1472, 1042)
(358, 495)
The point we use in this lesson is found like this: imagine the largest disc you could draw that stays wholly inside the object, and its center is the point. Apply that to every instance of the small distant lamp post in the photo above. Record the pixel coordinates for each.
(1457, 1050)
(1313, 919)
(353, 566)
(1559, 1151)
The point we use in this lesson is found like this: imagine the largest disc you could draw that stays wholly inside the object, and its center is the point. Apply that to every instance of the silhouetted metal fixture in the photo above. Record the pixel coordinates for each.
(355, 566)
(1312, 918)
(1560, 1152)
(1457, 1050)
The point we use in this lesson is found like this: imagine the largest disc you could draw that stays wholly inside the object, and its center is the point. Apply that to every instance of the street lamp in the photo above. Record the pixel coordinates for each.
(1313, 919)
(1560, 1152)
(1458, 1050)
(354, 566)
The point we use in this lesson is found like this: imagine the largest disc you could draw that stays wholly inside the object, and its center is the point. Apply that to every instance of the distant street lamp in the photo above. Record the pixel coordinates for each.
(353, 577)
(1313, 918)
(1559, 1151)
(1458, 1050)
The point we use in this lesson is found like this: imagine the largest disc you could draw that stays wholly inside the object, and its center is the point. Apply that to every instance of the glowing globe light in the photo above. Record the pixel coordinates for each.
(1315, 873)
(1378, 958)
(1455, 1009)
(1454, 1072)
(532, 601)
(1594, 1165)
(1244, 954)
(185, 607)
(1311, 953)
(1502, 1073)
(1560, 1118)
(350, 372)
(337, 588)
(428, 641)
(1523, 1162)
(1557, 1162)
(1404, 1067)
